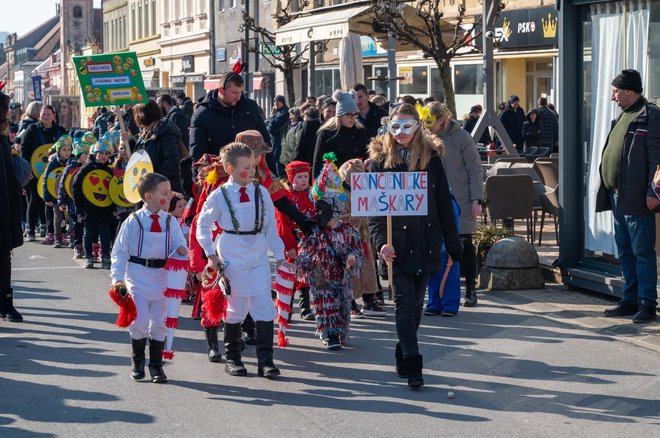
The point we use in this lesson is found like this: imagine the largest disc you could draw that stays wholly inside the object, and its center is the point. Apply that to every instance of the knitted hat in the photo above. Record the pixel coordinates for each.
(513, 98)
(629, 80)
(476, 109)
(79, 148)
(103, 145)
(255, 140)
(64, 140)
(113, 137)
(88, 139)
(345, 102)
(279, 98)
(296, 167)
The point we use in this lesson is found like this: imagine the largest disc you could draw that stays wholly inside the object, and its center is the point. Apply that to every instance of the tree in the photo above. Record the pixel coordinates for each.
(283, 58)
(425, 32)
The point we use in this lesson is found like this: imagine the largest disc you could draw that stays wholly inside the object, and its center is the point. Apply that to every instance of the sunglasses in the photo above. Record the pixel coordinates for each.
(352, 115)
(408, 126)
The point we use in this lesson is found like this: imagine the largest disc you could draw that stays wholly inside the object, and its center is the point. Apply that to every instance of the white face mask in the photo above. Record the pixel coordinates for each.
(405, 126)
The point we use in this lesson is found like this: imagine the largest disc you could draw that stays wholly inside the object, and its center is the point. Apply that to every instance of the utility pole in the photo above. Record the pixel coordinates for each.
(246, 51)
(212, 36)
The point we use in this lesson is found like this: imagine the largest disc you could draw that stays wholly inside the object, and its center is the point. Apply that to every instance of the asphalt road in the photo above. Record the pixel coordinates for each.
(514, 372)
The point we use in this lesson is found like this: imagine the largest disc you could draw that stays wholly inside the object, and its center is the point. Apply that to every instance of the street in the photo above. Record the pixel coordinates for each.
(514, 372)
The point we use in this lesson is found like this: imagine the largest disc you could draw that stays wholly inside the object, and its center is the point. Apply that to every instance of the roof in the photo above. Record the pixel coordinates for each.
(32, 38)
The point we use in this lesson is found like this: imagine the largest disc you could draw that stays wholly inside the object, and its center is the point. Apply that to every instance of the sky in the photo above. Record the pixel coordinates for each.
(21, 16)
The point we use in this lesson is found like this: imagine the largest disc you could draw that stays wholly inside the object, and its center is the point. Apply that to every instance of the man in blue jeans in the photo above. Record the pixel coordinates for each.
(628, 164)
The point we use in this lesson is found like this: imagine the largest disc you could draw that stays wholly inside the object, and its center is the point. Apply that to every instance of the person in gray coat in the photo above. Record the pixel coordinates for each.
(465, 176)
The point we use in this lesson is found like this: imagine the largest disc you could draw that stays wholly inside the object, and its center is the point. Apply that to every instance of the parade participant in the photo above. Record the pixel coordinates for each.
(62, 148)
(297, 191)
(81, 147)
(96, 217)
(10, 216)
(330, 258)
(46, 131)
(417, 240)
(146, 239)
(246, 215)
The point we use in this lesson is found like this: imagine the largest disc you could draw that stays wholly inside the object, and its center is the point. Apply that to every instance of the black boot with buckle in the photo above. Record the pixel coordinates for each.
(138, 359)
(212, 343)
(233, 364)
(265, 350)
(156, 361)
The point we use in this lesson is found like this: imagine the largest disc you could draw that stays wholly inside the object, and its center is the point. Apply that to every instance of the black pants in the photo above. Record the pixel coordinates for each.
(50, 218)
(96, 228)
(468, 258)
(35, 208)
(409, 291)
(5, 269)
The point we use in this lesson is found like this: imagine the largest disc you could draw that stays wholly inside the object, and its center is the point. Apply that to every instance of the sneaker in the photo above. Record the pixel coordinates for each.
(432, 312)
(373, 309)
(356, 314)
(89, 263)
(65, 241)
(307, 315)
(105, 263)
(42, 231)
(78, 252)
(72, 244)
(49, 240)
(447, 313)
(334, 343)
(380, 298)
(57, 243)
(30, 238)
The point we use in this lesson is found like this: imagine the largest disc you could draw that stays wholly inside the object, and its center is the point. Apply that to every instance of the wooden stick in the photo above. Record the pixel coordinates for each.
(450, 262)
(120, 115)
(389, 264)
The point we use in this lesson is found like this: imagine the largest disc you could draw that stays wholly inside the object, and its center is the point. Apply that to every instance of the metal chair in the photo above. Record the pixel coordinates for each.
(550, 205)
(511, 197)
(549, 173)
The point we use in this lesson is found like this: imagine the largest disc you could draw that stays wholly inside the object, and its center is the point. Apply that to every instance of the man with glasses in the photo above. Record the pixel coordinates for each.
(628, 164)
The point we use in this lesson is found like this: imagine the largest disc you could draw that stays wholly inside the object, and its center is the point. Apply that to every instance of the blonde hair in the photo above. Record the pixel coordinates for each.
(378, 99)
(33, 110)
(385, 148)
(440, 109)
(230, 153)
(334, 124)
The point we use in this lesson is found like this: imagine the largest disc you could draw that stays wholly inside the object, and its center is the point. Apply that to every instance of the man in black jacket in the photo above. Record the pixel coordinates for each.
(185, 104)
(221, 115)
(513, 118)
(277, 127)
(175, 115)
(628, 164)
(549, 125)
(370, 113)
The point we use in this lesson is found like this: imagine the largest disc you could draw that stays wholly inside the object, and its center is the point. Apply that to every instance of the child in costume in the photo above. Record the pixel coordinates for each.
(297, 190)
(62, 147)
(97, 219)
(246, 215)
(176, 208)
(330, 258)
(146, 239)
(81, 147)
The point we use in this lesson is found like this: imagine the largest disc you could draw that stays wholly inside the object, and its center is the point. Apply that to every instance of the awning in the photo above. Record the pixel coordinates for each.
(212, 84)
(258, 82)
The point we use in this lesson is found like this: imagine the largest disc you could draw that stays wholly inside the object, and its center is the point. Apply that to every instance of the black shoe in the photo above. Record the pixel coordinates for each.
(470, 294)
(304, 303)
(307, 315)
(7, 310)
(156, 361)
(266, 367)
(448, 314)
(400, 362)
(624, 308)
(432, 312)
(646, 312)
(414, 366)
(138, 359)
(211, 334)
(233, 364)
(334, 343)
(235, 367)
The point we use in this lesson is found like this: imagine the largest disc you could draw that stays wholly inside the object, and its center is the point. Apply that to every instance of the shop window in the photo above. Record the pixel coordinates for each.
(415, 81)
(437, 89)
(467, 79)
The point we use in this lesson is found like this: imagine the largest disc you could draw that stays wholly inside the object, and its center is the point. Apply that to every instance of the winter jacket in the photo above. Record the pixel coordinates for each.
(464, 172)
(213, 125)
(62, 196)
(187, 108)
(307, 142)
(277, 128)
(417, 240)
(182, 122)
(130, 123)
(54, 163)
(82, 205)
(24, 123)
(101, 123)
(372, 121)
(639, 158)
(469, 125)
(346, 143)
(160, 142)
(11, 214)
(513, 121)
(532, 132)
(37, 135)
(549, 127)
(290, 142)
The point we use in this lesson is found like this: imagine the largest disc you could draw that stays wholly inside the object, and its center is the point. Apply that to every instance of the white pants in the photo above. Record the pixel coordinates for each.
(150, 321)
(260, 306)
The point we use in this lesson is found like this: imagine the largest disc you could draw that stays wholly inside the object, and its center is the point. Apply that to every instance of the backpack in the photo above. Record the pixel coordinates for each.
(23, 170)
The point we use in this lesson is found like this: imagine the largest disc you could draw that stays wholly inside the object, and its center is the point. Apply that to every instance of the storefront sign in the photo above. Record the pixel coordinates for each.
(370, 48)
(36, 86)
(389, 194)
(188, 63)
(221, 54)
(527, 28)
(195, 78)
(269, 49)
(178, 79)
(110, 78)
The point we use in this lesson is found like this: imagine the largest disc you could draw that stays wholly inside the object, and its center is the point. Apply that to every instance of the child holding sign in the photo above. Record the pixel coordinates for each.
(414, 250)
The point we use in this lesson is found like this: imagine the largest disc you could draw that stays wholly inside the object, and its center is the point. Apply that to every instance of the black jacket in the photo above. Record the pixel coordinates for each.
(417, 240)
(532, 132)
(161, 145)
(83, 206)
(469, 125)
(277, 126)
(36, 135)
(346, 143)
(24, 123)
(182, 122)
(372, 120)
(213, 125)
(307, 143)
(549, 127)
(10, 200)
(639, 157)
(513, 121)
(187, 108)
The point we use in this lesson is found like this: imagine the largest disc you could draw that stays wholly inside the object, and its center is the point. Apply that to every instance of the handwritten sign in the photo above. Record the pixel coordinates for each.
(110, 79)
(389, 194)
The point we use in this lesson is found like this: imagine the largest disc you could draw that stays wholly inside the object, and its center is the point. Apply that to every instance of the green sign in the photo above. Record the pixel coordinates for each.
(110, 79)
(269, 49)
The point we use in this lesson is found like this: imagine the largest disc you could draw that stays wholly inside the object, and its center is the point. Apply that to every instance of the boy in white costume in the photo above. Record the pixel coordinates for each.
(246, 215)
(144, 242)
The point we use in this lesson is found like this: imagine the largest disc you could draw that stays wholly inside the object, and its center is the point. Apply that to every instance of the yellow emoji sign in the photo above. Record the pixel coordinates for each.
(68, 182)
(52, 179)
(117, 192)
(40, 186)
(138, 165)
(39, 159)
(95, 188)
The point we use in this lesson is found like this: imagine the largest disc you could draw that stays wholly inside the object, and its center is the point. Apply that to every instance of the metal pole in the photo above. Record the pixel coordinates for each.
(256, 35)
(212, 36)
(391, 67)
(311, 69)
(246, 51)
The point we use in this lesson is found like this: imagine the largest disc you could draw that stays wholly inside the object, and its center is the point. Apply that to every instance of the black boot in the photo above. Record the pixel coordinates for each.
(156, 361)
(646, 312)
(305, 309)
(7, 310)
(233, 364)
(265, 350)
(400, 362)
(414, 367)
(624, 308)
(212, 343)
(470, 293)
(247, 326)
(137, 373)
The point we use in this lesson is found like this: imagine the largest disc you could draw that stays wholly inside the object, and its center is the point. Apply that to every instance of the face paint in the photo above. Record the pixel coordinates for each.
(163, 202)
(244, 174)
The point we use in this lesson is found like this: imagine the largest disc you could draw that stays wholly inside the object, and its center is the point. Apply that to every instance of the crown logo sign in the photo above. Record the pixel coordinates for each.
(506, 28)
(549, 26)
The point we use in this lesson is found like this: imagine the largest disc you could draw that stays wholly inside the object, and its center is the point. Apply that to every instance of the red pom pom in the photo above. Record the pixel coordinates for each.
(281, 340)
(175, 293)
(176, 264)
(214, 306)
(169, 355)
(171, 322)
(127, 309)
